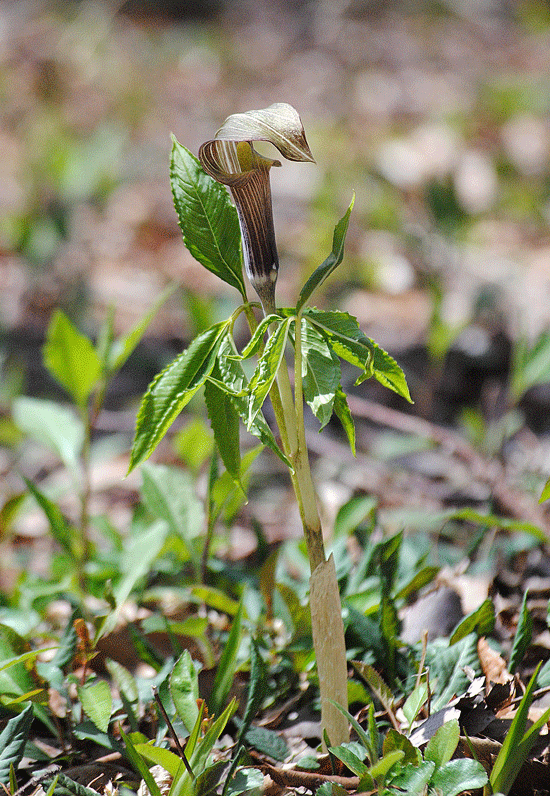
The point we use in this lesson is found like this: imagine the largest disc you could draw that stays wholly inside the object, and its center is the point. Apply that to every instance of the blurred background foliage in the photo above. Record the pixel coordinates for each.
(435, 113)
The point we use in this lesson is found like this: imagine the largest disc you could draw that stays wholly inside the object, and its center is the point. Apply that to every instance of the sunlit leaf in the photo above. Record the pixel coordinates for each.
(332, 262)
(172, 389)
(71, 358)
(266, 370)
(184, 690)
(458, 776)
(207, 218)
(97, 703)
(481, 621)
(321, 374)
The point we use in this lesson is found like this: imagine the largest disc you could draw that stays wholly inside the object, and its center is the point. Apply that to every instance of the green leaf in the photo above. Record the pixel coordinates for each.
(158, 756)
(447, 668)
(207, 218)
(257, 688)
(168, 493)
(321, 373)
(396, 740)
(246, 781)
(412, 779)
(530, 366)
(234, 382)
(52, 425)
(97, 703)
(13, 738)
(369, 737)
(224, 419)
(71, 358)
(375, 683)
(342, 332)
(513, 752)
(388, 373)
(333, 260)
(203, 749)
(545, 492)
(441, 746)
(140, 766)
(120, 350)
(343, 413)
(480, 621)
(349, 758)
(268, 742)
(184, 690)
(459, 776)
(172, 389)
(62, 532)
(380, 769)
(227, 665)
(522, 639)
(65, 786)
(139, 553)
(415, 701)
(266, 370)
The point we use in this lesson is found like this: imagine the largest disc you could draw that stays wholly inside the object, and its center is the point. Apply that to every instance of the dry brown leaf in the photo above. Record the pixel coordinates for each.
(493, 664)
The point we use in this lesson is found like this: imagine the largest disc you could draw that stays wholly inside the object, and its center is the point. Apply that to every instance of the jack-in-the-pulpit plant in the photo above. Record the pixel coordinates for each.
(220, 235)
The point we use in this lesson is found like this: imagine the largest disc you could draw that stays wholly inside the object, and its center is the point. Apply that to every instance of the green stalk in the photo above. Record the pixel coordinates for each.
(325, 605)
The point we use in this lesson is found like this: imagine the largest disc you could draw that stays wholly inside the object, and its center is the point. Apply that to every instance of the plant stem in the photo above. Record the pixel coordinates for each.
(326, 609)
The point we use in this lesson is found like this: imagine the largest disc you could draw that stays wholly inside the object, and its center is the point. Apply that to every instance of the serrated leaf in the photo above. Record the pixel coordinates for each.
(97, 703)
(224, 420)
(342, 332)
(184, 690)
(321, 373)
(172, 390)
(480, 621)
(13, 738)
(442, 745)
(333, 260)
(388, 373)
(343, 413)
(522, 639)
(54, 426)
(207, 218)
(71, 358)
(459, 776)
(375, 682)
(234, 382)
(266, 370)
